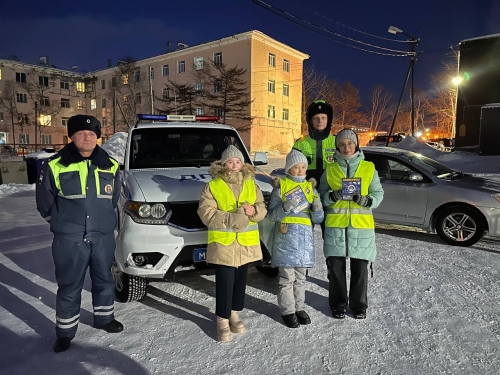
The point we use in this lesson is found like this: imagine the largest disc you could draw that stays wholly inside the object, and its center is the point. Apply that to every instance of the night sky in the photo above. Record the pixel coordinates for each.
(88, 33)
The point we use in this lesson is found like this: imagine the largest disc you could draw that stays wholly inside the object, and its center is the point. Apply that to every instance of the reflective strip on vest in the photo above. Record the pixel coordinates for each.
(302, 217)
(71, 180)
(226, 201)
(307, 146)
(340, 213)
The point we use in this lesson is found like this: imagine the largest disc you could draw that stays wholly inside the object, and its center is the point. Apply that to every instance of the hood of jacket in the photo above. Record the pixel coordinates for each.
(217, 170)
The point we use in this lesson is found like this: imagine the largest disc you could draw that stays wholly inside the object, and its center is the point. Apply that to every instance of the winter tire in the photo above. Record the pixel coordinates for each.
(129, 288)
(267, 271)
(460, 226)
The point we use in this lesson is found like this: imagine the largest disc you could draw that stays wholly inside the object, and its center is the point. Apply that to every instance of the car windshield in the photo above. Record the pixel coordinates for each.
(437, 169)
(180, 147)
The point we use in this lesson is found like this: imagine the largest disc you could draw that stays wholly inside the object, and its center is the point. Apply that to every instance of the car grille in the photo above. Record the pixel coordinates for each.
(185, 217)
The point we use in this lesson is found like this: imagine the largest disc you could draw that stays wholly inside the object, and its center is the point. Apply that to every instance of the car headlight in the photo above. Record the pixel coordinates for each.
(496, 196)
(148, 213)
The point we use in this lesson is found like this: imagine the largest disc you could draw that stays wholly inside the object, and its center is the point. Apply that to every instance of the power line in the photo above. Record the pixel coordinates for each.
(348, 27)
(279, 13)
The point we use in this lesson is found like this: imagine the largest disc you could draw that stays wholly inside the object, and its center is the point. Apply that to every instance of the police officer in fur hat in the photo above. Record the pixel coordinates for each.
(77, 193)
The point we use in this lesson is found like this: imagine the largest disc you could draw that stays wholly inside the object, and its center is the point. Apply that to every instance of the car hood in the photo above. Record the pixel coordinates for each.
(479, 183)
(181, 184)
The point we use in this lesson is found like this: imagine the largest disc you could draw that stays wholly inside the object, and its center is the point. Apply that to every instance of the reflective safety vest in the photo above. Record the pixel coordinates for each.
(71, 181)
(303, 217)
(226, 201)
(307, 146)
(341, 212)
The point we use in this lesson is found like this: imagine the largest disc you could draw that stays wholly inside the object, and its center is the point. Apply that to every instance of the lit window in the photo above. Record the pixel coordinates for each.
(80, 105)
(286, 90)
(80, 87)
(198, 63)
(270, 111)
(93, 104)
(125, 79)
(45, 120)
(285, 114)
(272, 60)
(286, 65)
(0, 74)
(218, 58)
(271, 86)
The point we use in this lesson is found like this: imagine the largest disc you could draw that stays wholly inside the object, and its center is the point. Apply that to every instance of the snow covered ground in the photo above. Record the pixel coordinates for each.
(433, 310)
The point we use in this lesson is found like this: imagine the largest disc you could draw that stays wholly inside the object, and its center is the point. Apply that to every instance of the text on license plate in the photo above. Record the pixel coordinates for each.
(200, 255)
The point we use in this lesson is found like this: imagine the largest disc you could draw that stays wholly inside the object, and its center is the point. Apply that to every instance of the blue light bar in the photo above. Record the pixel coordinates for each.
(152, 117)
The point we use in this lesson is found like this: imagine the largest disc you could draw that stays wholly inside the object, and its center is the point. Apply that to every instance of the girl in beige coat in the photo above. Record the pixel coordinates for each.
(231, 205)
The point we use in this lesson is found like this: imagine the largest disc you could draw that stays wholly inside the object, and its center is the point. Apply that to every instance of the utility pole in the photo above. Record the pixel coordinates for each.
(413, 43)
(151, 99)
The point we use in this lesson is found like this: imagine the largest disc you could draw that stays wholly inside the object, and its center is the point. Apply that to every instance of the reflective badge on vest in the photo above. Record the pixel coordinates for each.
(308, 191)
(108, 189)
(330, 158)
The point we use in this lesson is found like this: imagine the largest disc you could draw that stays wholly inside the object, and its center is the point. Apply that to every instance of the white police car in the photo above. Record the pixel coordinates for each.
(166, 165)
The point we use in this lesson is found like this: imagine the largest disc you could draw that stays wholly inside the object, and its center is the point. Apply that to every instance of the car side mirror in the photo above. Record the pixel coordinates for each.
(415, 177)
(260, 158)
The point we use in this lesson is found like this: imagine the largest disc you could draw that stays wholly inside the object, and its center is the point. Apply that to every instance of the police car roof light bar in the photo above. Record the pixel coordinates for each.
(151, 117)
(181, 118)
(208, 118)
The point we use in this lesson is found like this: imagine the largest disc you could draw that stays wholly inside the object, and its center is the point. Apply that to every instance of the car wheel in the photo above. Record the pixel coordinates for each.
(460, 226)
(267, 271)
(129, 288)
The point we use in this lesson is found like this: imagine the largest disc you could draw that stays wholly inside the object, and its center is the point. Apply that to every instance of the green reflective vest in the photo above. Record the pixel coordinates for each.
(307, 146)
(226, 201)
(340, 213)
(302, 217)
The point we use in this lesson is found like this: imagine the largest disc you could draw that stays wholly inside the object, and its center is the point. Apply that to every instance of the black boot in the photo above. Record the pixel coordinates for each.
(113, 327)
(61, 344)
(303, 318)
(360, 314)
(291, 321)
(338, 314)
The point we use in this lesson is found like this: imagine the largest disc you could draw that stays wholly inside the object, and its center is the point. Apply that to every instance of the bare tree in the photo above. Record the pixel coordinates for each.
(8, 100)
(379, 110)
(346, 105)
(177, 99)
(225, 91)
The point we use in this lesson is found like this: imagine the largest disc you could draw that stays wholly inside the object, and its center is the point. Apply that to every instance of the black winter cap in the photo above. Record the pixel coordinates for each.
(83, 122)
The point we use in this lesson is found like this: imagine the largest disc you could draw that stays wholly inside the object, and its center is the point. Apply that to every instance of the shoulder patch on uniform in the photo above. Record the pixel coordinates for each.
(40, 177)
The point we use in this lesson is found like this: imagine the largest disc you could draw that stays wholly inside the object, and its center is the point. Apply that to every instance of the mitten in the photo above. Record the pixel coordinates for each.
(288, 205)
(238, 221)
(335, 195)
(362, 200)
(316, 205)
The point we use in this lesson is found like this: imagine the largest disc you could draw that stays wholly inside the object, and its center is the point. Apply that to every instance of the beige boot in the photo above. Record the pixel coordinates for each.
(235, 323)
(223, 331)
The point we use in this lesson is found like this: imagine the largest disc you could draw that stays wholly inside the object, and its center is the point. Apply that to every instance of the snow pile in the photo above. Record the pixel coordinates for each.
(115, 146)
(8, 189)
(41, 155)
(462, 161)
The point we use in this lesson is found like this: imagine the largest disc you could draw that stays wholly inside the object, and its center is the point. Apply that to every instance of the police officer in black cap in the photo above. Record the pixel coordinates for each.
(77, 193)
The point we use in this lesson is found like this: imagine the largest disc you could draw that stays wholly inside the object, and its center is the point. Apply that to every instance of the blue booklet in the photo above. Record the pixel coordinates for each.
(350, 188)
(297, 195)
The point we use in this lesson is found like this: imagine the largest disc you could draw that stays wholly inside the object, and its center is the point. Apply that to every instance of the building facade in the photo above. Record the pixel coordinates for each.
(271, 75)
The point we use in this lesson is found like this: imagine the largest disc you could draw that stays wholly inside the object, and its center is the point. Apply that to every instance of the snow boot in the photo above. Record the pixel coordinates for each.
(291, 321)
(112, 327)
(235, 323)
(223, 331)
(303, 318)
(338, 314)
(360, 314)
(61, 344)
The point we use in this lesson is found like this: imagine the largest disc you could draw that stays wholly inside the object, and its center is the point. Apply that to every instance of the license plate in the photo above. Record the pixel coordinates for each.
(200, 255)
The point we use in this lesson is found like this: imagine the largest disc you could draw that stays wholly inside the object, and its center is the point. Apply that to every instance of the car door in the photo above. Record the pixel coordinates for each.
(404, 201)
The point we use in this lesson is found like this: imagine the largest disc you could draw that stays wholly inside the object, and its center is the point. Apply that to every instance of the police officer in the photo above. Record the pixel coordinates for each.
(319, 145)
(77, 193)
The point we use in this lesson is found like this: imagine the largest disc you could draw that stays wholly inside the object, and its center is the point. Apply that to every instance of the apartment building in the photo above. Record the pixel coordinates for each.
(114, 95)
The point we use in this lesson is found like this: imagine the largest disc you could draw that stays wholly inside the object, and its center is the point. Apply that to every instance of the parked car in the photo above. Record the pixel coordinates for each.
(166, 165)
(423, 193)
(7, 150)
(381, 140)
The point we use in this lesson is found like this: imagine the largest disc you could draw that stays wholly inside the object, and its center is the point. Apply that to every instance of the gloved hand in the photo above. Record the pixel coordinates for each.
(238, 221)
(316, 205)
(289, 205)
(335, 195)
(362, 200)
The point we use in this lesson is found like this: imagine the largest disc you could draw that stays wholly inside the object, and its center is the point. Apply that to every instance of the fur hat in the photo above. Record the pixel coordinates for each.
(83, 122)
(231, 152)
(319, 106)
(293, 158)
(346, 134)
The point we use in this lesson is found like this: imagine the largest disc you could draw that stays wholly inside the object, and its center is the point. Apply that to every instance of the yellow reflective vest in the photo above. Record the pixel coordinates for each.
(307, 146)
(226, 201)
(303, 217)
(340, 213)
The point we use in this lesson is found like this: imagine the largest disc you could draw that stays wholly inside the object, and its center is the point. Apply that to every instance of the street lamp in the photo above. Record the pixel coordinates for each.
(457, 80)
(412, 42)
